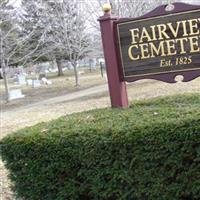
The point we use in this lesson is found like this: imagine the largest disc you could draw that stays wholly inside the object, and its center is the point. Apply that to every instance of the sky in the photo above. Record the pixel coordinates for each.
(17, 3)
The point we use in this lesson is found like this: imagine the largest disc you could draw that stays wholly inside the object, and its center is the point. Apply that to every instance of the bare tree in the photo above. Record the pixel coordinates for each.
(120, 8)
(123, 8)
(16, 44)
(68, 35)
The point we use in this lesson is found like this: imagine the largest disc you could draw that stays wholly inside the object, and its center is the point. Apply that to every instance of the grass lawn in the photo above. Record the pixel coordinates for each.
(60, 86)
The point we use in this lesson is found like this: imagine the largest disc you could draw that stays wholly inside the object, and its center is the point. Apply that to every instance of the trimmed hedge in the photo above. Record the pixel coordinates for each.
(148, 152)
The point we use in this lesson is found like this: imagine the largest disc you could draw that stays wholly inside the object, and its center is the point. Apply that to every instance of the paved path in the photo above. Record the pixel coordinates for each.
(52, 108)
(74, 95)
(65, 98)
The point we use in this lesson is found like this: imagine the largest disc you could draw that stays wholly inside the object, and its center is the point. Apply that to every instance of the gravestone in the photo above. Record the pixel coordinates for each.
(36, 83)
(21, 79)
(46, 81)
(15, 94)
(29, 82)
(81, 72)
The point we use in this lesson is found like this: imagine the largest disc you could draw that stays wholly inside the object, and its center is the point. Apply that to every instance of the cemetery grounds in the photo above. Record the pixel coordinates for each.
(62, 98)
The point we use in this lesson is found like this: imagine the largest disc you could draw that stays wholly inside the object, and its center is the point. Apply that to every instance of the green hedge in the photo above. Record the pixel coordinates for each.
(148, 152)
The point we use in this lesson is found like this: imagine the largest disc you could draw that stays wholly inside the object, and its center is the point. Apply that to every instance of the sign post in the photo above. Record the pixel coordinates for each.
(117, 88)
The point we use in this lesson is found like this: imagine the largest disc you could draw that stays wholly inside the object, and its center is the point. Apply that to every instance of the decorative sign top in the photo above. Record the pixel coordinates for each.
(159, 45)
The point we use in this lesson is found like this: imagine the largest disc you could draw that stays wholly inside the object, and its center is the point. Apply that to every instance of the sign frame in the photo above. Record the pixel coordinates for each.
(169, 77)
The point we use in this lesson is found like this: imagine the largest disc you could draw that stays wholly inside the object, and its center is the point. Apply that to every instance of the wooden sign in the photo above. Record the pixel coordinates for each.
(160, 47)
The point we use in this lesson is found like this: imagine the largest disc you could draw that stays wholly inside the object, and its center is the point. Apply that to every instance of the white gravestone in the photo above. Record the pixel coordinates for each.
(15, 94)
(29, 82)
(36, 83)
(45, 81)
(21, 79)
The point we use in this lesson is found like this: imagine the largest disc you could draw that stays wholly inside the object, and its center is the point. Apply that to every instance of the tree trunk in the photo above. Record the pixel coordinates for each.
(3, 66)
(76, 74)
(101, 67)
(5, 80)
(60, 71)
(90, 67)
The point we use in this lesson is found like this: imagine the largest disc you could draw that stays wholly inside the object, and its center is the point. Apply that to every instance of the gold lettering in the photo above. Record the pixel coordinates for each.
(181, 41)
(193, 23)
(153, 32)
(157, 40)
(194, 45)
(171, 47)
(162, 63)
(145, 35)
(162, 32)
(130, 52)
(157, 50)
(185, 33)
(144, 51)
(174, 30)
(134, 35)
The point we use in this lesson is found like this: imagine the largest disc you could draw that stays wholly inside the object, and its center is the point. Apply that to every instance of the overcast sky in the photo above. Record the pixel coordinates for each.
(17, 3)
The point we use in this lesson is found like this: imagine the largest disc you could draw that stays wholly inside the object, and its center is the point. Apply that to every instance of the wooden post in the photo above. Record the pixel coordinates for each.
(117, 88)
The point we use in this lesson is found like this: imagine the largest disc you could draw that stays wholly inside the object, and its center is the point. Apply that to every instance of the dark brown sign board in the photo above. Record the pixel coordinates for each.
(160, 45)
